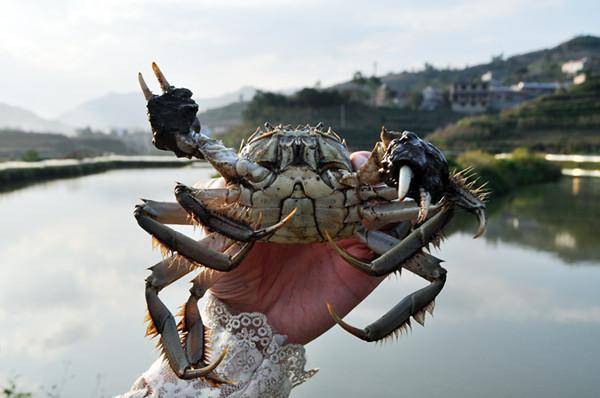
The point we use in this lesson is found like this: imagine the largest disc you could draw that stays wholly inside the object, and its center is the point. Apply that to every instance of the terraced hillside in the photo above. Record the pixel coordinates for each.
(567, 122)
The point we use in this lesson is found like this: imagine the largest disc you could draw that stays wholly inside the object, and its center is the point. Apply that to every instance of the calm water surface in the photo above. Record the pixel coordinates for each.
(519, 316)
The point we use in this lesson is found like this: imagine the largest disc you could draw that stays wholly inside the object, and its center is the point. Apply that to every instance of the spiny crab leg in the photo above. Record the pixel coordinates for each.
(396, 318)
(165, 325)
(392, 260)
(229, 227)
(161, 321)
(415, 305)
(188, 247)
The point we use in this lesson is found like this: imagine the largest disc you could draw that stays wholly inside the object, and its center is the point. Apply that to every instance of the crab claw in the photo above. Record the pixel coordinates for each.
(405, 176)
(411, 165)
(463, 193)
(480, 213)
(162, 80)
(147, 93)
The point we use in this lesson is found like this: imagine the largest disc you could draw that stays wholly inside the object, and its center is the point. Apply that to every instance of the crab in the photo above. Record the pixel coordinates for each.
(295, 185)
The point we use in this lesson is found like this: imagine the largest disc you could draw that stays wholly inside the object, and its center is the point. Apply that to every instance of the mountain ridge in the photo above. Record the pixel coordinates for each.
(128, 110)
(12, 116)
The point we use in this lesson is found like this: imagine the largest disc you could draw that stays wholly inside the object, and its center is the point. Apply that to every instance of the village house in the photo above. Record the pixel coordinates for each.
(488, 94)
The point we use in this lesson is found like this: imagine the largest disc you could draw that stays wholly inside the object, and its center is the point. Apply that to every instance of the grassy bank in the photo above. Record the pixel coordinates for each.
(15, 174)
(504, 175)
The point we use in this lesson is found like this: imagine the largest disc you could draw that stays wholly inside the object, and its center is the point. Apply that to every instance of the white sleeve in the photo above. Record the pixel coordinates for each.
(258, 361)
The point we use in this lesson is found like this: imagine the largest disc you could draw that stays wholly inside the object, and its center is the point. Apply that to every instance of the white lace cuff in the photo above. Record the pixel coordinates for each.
(259, 361)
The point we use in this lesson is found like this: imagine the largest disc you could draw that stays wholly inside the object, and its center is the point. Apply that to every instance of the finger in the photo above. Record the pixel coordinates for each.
(147, 93)
(164, 84)
(359, 158)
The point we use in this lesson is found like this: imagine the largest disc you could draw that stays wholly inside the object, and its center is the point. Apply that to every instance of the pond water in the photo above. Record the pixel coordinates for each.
(519, 316)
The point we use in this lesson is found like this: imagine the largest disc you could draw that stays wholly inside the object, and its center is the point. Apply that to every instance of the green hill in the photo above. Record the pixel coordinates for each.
(224, 117)
(358, 123)
(566, 122)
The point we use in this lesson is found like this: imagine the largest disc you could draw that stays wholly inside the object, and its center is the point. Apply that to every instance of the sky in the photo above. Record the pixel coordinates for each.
(55, 55)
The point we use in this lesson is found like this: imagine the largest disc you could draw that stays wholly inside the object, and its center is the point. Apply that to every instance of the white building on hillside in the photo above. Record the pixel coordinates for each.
(489, 94)
(575, 66)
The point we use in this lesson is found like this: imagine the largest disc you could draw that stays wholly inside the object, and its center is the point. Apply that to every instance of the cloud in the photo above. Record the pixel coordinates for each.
(45, 336)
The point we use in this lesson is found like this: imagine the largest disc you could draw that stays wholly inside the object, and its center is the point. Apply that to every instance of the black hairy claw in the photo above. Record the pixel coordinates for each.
(428, 164)
(172, 113)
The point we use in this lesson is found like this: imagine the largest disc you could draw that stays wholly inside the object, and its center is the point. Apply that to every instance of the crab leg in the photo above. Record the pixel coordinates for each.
(388, 213)
(423, 264)
(392, 259)
(173, 213)
(165, 212)
(414, 305)
(169, 270)
(229, 227)
(162, 322)
(198, 252)
(195, 337)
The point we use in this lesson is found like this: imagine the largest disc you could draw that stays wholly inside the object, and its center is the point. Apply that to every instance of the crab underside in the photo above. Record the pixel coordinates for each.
(291, 185)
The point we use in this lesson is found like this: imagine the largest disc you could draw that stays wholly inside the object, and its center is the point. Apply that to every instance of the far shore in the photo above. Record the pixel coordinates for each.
(18, 174)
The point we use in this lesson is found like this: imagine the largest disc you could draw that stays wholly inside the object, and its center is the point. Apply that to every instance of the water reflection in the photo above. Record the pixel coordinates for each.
(511, 321)
(559, 218)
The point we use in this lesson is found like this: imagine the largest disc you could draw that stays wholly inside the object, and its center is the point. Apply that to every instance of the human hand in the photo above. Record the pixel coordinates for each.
(291, 283)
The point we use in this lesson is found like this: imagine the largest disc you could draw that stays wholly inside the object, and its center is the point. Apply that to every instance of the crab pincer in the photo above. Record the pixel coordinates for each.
(172, 115)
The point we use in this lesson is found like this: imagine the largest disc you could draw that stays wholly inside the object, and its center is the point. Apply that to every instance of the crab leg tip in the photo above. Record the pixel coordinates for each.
(292, 214)
(280, 224)
(209, 368)
(361, 334)
(344, 254)
(286, 219)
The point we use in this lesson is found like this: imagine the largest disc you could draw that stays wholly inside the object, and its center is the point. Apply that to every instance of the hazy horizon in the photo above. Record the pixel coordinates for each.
(55, 58)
